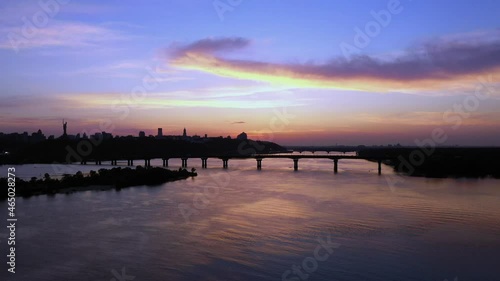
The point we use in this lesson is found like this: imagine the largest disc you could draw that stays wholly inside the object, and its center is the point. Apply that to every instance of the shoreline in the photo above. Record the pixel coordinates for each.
(104, 179)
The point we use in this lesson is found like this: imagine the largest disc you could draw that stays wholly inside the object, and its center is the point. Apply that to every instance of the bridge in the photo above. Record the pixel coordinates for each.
(258, 157)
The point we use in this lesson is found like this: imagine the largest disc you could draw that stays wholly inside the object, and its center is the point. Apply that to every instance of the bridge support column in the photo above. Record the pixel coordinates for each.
(295, 164)
(335, 165)
(130, 162)
(83, 162)
(225, 163)
(184, 162)
(204, 163)
(98, 162)
(165, 162)
(147, 163)
(259, 164)
(379, 167)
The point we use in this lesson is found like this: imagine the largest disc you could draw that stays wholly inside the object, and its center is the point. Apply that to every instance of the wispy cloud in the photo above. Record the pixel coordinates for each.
(43, 24)
(422, 118)
(121, 69)
(430, 65)
(59, 34)
(171, 100)
(238, 122)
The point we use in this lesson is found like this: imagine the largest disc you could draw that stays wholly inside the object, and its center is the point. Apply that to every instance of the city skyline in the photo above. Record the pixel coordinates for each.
(311, 73)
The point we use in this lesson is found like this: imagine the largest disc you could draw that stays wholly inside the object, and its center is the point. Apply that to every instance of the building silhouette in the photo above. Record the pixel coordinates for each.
(242, 136)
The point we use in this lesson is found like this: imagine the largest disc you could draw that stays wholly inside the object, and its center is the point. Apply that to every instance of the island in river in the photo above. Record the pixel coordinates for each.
(103, 179)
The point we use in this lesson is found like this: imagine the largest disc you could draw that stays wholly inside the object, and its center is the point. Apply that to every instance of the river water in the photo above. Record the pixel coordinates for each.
(272, 224)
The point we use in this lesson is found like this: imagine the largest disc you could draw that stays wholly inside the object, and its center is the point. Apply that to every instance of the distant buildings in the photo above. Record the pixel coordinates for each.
(242, 136)
(38, 136)
(103, 136)
(35, 137)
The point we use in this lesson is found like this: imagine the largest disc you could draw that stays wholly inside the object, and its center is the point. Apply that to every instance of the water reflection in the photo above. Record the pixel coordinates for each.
(245, 224)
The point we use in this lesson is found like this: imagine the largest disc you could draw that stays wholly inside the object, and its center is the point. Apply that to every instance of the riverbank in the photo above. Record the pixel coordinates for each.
(104, 179)
(441, 162)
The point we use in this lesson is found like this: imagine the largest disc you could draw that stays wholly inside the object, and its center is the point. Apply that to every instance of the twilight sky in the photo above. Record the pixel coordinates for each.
(293, 72)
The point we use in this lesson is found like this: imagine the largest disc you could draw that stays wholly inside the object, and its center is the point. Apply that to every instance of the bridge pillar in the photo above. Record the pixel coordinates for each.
(130, 162)
(147, 163)
(184, 162)
(225, 163)
(204, 162)
(165, 162)
(259, 163)
(379, 167)
(335, 165)
(295, 164)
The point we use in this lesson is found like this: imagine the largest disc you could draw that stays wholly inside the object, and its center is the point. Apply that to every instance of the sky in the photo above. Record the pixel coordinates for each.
(294, 72)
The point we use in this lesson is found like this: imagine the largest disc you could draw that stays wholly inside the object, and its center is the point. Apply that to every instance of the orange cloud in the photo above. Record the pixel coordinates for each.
(434, 65)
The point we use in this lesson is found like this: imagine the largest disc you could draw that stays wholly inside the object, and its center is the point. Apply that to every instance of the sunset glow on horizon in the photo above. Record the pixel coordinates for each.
(276, 70)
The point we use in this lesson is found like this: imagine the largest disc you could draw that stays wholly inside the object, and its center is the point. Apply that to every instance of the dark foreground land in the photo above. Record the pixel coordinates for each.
(469, 162)
(116, 178)
(68, 151)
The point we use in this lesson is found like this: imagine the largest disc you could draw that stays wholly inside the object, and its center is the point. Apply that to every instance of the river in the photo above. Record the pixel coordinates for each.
(273, 224)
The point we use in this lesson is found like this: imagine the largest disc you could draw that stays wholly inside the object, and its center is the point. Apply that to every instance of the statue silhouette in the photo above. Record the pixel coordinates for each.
(65, 125)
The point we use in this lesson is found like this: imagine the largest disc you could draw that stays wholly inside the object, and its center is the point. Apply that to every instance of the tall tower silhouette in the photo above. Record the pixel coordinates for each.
(184, 133)
(65, 126)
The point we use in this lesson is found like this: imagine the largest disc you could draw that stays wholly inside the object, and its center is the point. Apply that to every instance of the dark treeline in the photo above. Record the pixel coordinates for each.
(111, 178)
(441, 162)
(65, 150)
